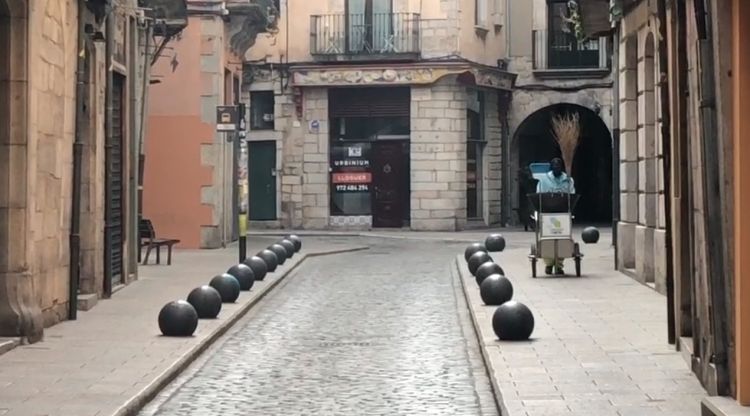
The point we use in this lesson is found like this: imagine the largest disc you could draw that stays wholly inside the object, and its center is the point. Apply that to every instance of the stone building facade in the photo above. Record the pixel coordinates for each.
(336, 92)
(641, 228)
(68, 209)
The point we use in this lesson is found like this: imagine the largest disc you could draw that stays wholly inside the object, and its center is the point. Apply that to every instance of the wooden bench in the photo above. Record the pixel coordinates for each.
(148, 239)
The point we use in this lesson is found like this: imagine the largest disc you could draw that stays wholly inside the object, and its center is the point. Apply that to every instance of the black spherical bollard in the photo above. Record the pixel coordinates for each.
(244, 275)
(280, 252)
(513, 321)
(473, 248)
(178, 319)
(289, 246)
(206, 300)
(228, 287)
(496, 290)
(486, 270)
(258, 265)
(477, 259)
(296, 240)
(495, 243)
(590, 235)
(269, 257)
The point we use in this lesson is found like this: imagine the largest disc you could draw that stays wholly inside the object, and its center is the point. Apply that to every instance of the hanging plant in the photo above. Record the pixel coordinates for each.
(574, 20)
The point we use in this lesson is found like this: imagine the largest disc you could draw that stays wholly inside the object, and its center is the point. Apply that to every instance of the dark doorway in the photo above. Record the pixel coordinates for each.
(262, 177)
(390, 177)
(592, 167)
(114, 208)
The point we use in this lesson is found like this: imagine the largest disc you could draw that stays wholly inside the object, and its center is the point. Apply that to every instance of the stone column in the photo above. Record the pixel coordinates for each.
(438, 156)
(315, 196)
(628, 154)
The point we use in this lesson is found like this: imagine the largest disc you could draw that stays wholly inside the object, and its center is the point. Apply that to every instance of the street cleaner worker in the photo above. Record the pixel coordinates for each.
(555, 181)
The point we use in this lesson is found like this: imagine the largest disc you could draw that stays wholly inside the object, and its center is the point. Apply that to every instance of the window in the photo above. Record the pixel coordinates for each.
(261, 110)
(564, 49)
(480, 16)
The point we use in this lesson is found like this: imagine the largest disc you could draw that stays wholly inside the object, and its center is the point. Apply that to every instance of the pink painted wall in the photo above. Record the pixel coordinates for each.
(173, 175)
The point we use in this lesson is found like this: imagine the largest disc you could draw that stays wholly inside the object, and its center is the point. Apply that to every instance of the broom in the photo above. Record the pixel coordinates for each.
(567, 130)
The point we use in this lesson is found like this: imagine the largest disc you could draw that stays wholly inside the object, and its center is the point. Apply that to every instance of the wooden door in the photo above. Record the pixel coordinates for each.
(390, 177)
(262, 177)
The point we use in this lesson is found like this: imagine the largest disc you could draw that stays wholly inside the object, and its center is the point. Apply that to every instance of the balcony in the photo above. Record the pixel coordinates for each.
(365, 37)
(560, 55)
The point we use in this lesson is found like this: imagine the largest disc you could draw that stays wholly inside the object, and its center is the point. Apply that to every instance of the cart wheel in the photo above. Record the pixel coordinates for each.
(578, 256)
(532, 257)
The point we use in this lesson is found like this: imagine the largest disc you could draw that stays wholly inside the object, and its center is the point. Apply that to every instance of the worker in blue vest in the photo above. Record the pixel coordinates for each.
(555, 181)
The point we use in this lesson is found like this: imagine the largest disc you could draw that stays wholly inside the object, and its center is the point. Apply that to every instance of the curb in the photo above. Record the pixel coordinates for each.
(482, 346)
(137, 402)
(366, 235)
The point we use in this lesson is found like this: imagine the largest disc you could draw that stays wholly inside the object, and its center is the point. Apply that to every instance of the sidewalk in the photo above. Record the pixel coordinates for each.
(113, 358)
(599, 345)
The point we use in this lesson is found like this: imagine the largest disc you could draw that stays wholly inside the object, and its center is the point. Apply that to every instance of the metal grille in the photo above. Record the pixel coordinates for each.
(115, 223)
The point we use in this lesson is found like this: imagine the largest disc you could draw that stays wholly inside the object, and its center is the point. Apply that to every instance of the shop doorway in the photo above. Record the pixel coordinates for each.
(390, 177)
(262, 177)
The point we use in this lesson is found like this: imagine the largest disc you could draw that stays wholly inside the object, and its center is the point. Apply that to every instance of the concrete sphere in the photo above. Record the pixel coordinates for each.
(495, 243)
(206, 301)
(486, 270)
(496, 290)
(269, 257)
(477, 259)
(244, 275)
(228, 287)
(473, 248)
(258, 265)
(289, 246)
(296, 240)
(178, 319)
(513, 321)
(280, 252)
(590, 235)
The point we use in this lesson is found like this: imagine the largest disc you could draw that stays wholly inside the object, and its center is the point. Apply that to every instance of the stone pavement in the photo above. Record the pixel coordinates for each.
(599, 345)
(113, 358)
(379, 332)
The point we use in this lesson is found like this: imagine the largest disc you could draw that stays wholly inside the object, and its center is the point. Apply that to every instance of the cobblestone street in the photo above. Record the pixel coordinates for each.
(379, 332)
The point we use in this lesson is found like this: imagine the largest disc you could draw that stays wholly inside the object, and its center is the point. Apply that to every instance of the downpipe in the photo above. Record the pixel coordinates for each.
(75, 212)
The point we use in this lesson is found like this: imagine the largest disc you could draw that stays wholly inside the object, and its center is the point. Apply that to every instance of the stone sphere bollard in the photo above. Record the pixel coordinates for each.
(244, 275)
(289, 246)
(495, 243)
(269, 257)
(280, 252)
(228, 287)
(473, 248)
(477, 259)
(178, 319)
(590, 235)
(296, 240)
(486, 270)
(496, 290)
(513, 321)
(206, 300)
(258, 265)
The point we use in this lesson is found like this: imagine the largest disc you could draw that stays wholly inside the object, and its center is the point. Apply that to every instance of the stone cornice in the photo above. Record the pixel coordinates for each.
(422, 73)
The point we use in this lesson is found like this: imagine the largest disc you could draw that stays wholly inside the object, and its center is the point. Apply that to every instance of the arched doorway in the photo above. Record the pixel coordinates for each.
(592, 167)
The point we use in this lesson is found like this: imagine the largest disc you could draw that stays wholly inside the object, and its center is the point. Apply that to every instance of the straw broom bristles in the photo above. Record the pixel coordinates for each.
(567, 130)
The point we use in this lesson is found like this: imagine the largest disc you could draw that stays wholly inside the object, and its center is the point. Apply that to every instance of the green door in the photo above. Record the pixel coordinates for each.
(262, 177)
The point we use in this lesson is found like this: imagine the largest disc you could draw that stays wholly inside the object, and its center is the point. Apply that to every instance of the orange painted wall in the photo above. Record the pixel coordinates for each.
(741, 71)
(173, 174)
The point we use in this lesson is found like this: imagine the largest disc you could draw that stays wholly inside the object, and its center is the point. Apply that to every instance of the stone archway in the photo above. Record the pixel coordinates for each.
(592, 168)
(20, 314)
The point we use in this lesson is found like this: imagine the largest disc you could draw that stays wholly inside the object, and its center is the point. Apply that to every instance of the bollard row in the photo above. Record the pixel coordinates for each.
(180, 318)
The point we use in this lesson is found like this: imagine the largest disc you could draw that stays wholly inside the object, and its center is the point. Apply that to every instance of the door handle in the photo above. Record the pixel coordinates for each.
(273, 172)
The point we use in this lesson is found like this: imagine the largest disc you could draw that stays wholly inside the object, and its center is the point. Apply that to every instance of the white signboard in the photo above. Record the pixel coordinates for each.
(556, 225)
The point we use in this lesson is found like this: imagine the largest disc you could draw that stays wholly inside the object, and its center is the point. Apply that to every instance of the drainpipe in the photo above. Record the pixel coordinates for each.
(108, 48)
(75, 212)
(615, 139)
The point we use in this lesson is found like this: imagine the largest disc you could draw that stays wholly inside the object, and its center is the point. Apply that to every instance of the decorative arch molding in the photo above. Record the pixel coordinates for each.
(20, 314)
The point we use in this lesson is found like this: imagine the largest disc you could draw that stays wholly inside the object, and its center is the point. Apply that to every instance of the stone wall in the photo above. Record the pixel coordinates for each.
(438, 156)
(315, 182)
(493, 162)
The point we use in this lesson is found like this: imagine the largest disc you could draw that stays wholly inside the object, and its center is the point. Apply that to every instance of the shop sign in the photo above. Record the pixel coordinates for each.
(350, 168)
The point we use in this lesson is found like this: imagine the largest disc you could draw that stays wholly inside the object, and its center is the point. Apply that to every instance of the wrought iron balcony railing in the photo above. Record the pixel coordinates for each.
(555, 50)
(372, 35)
